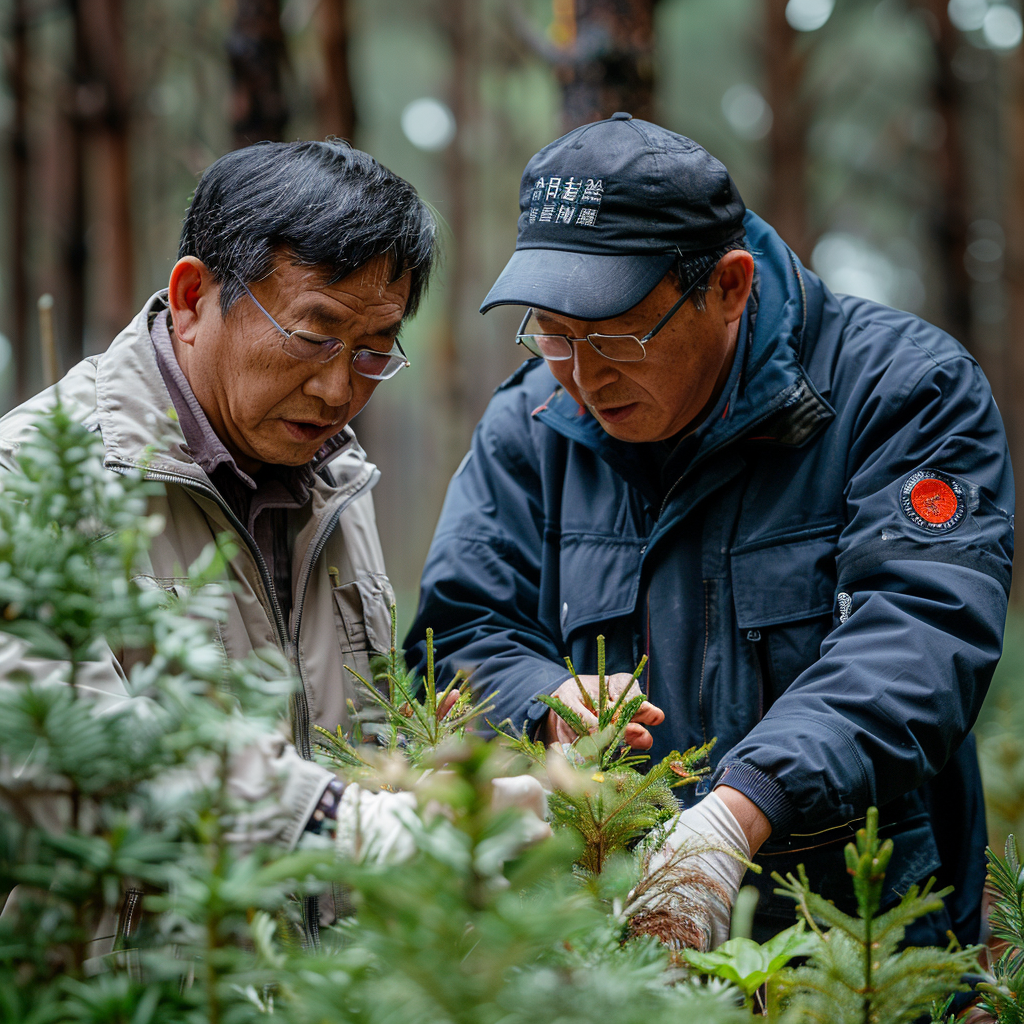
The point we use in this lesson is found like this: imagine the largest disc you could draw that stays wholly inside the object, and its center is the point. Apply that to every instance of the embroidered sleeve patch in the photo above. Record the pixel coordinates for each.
(933, 500)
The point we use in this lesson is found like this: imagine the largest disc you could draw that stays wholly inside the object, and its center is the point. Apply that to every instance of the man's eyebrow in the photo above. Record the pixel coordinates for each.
(326, 321)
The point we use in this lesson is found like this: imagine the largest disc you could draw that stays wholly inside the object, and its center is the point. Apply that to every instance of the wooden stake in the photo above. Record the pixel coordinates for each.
(48, 342)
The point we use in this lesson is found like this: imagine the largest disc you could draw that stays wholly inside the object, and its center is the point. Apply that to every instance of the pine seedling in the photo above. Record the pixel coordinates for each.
(601, 748)
(412, 711)
(1003, 996)
(856, 973)
(606, 800)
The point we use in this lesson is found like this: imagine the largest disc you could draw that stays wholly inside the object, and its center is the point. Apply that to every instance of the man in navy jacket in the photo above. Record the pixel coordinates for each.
(799, 505)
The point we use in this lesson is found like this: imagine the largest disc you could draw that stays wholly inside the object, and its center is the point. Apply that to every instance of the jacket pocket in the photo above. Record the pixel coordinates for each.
(784, 582)
(783, 596)
(915, 856)
(364, 608)
(599, 578)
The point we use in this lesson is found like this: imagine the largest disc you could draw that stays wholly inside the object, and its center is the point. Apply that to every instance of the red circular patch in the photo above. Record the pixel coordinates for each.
(934, 500)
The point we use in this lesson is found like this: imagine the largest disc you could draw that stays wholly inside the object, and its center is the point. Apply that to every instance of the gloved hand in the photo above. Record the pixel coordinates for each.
(375, 825)
(379, 825)
(690, 883)
(526, 793)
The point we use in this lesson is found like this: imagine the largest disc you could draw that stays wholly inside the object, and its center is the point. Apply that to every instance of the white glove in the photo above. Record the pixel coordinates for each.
(380, 825)
(375, 826)
(526, 793)
(686, 895)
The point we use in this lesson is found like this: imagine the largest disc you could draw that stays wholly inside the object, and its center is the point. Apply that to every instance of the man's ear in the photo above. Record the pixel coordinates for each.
(731, 282)
(191, 294)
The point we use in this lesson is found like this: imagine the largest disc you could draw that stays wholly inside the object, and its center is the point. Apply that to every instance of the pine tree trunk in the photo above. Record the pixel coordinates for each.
(953, 214)
(17, 76)
(463, 28)
(257, 54)
(1013, 406)
(83, 104)
(112, 258)
(608, 60)
(787, 204)
(336, 102)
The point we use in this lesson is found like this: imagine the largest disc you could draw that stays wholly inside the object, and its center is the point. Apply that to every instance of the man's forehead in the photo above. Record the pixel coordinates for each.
(367, 289)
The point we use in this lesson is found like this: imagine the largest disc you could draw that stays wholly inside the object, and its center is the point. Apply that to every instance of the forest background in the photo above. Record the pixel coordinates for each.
(884, 139)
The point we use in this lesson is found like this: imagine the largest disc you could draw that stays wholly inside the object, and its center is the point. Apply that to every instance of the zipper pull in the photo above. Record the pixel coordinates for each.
(291, 652)
(335, 576)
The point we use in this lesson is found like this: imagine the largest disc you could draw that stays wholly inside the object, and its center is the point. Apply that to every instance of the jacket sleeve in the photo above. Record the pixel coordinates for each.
(480, 591)
(267, 776)
(920, 609)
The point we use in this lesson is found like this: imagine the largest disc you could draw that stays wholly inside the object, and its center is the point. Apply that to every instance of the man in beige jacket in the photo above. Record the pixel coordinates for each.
(297, 268)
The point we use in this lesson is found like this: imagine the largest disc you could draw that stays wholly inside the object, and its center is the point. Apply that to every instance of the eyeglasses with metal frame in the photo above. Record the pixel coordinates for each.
(619, 348)
(321, 348)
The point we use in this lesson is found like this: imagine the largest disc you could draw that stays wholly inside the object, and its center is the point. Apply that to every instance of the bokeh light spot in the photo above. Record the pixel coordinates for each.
(1002, 27)
(428, 123)
(809, 15)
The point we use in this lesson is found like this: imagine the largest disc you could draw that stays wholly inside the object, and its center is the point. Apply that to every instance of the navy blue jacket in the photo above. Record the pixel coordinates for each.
(794, 603)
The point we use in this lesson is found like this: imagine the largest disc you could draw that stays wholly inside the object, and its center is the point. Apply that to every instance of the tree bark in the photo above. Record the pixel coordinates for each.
(18, 69)
(112, 259)
(952, 214)
(336, 101)
(257, 54)
(787, 197)
(604, 59)
(1013, 407)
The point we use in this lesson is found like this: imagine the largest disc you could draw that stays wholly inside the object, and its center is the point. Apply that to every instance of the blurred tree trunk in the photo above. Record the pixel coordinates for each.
(952, 216)
(787, 141)
(17, 77)
(1013, 407)
(461, 21)
(336, 102)
(98, 142)
(606, 61)
(101, 22)
(257, 54)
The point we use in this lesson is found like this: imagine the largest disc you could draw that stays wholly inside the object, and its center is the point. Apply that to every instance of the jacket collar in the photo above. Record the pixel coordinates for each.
(136, 419)
(770, 397)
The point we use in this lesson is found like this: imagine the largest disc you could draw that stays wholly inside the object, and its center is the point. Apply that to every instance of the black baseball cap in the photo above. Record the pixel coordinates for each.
(606, 210)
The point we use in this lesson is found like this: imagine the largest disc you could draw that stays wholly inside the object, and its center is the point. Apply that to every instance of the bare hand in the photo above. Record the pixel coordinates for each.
(555, 730)
(447, 704)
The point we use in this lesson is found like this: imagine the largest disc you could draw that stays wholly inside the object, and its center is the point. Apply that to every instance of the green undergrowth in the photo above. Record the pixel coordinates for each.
(116, 819)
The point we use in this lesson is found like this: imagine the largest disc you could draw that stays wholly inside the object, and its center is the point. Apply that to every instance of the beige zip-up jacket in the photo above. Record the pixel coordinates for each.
(334, 622)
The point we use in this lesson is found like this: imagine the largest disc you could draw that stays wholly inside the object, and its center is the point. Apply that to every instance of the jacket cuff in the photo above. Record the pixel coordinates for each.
(306, 785)
(763, 790)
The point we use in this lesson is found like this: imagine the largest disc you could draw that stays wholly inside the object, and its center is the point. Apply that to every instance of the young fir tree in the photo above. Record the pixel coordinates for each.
(1003, 995)
(119, 808)
(857, 973)
(598, 790)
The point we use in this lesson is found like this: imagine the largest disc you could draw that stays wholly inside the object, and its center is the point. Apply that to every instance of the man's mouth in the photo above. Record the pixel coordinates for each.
(617, 413)
(310, 430)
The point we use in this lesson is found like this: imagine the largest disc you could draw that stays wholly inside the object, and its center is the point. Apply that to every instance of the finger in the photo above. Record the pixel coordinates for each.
(448, 703)
(564, 733)
(649, 714)
(618, 682)
(638, 737)
(549, 728)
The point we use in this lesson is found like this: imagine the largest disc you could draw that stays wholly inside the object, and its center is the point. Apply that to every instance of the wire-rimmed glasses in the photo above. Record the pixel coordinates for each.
(620, 348)
(321, 348)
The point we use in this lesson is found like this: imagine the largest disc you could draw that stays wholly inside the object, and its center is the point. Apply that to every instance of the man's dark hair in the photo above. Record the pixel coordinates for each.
(689, 266)
(317, 204)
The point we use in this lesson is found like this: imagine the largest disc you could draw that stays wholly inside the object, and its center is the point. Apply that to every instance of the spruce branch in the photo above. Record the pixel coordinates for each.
(856, 973)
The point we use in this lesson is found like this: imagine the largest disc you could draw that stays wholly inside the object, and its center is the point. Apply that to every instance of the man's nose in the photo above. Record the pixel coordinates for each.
(591, 371)
(332, 382)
